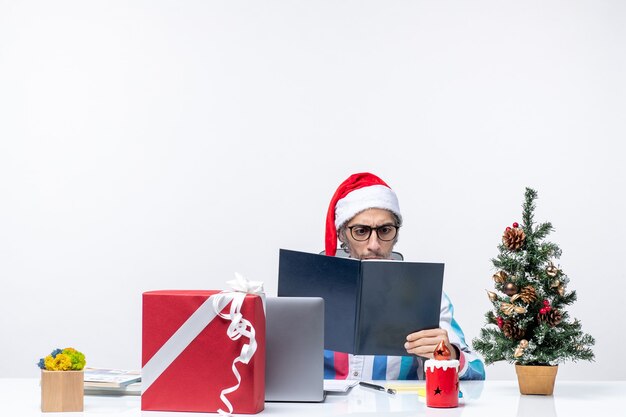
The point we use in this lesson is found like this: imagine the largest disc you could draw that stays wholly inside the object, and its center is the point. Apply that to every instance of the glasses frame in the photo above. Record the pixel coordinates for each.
(371, 229)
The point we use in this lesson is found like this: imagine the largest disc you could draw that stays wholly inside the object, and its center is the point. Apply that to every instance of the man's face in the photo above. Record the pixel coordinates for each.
(372, 248)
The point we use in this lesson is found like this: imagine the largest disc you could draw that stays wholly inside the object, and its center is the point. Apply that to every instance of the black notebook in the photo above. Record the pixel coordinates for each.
(371, 305)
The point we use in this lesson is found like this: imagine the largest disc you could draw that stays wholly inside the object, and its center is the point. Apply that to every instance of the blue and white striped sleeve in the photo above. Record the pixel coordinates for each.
(471, 366)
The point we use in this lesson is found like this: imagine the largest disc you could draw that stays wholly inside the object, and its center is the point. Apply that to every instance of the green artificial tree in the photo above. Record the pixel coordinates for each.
(530, 323)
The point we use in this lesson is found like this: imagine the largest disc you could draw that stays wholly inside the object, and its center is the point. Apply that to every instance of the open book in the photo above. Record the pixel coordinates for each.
(370, 305)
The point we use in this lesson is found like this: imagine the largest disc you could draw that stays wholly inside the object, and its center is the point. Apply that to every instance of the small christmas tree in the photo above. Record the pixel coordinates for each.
(531, 324)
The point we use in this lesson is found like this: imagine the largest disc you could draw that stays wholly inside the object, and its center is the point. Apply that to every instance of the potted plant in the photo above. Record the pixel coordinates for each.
(528, 324)
(62, 380)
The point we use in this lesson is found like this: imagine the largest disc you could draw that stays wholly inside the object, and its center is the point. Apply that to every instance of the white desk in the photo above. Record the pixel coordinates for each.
(21, 397)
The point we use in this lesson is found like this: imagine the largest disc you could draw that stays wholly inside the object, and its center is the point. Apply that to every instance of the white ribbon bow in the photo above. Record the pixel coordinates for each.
(242, 284)
(238, 327)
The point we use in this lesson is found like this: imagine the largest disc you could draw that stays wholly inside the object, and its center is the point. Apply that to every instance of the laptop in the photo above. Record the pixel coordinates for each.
(294, 350)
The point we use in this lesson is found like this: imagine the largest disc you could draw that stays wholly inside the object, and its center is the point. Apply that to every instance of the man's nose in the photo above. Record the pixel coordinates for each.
(373, 243)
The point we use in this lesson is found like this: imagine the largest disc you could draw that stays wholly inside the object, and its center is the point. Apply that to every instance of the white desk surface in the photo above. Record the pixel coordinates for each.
(21, 397)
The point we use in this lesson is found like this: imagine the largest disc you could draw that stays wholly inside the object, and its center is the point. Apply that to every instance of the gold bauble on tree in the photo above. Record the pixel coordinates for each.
(510, 289)
(513, 238)
(559, 286)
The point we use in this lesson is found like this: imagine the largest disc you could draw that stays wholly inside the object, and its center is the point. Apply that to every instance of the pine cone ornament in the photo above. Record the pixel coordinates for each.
(551, 318)
(513, 238)
(510, 330)
(528, 294)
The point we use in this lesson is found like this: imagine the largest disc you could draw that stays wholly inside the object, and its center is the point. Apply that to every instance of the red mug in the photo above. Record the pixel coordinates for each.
(442, 383)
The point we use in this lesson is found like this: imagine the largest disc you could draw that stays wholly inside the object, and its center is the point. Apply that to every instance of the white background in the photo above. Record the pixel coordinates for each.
(167, 144)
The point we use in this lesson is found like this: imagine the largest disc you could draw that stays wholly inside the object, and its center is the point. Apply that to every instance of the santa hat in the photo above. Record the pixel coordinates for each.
(359, 192)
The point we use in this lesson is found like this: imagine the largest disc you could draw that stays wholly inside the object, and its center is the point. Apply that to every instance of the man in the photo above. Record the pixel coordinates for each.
(364, 215)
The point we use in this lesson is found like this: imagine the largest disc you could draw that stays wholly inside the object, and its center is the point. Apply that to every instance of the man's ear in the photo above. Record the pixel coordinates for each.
(340, 235)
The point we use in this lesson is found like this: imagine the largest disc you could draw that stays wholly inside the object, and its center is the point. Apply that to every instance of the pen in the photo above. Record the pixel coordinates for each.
(377, 387)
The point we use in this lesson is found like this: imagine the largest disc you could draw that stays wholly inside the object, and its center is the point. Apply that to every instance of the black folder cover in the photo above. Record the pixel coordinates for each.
(370, 305)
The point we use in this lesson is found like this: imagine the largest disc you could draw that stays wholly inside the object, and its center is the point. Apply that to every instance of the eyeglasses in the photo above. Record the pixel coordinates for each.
(361, 233)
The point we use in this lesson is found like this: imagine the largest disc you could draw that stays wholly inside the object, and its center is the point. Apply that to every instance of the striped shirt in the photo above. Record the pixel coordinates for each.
(339, 365)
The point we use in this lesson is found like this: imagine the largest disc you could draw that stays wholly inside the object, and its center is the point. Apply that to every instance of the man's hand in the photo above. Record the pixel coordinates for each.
(424, 342)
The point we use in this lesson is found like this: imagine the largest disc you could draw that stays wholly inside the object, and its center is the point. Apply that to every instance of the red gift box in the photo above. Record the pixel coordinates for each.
(187, 354)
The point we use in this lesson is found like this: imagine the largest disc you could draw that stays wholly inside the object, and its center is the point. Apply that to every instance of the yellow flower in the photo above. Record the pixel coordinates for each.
(62, 362)
(49, 362)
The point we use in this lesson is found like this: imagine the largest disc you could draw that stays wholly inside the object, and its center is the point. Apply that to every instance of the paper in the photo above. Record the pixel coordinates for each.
(338, 385)
(419, 388)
